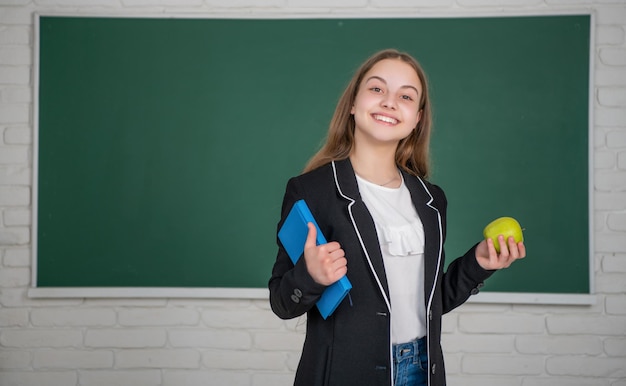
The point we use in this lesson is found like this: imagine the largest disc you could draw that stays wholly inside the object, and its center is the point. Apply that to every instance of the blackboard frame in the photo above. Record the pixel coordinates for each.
(261, 293)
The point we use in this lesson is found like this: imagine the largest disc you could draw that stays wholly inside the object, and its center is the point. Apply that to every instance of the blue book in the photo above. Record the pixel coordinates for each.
(293, 235)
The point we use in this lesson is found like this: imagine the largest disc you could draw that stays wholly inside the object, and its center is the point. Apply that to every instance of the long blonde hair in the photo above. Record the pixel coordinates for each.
(412, 154)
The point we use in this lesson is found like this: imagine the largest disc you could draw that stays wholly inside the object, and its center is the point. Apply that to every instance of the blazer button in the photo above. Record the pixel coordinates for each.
(297, 292)
(474, 291)
(295, 299)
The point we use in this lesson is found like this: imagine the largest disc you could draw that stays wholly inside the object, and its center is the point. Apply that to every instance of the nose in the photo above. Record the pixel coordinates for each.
(389, 102)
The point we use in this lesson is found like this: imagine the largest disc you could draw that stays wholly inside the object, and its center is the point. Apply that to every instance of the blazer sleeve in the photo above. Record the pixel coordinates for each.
(464, 276)
(293, 291)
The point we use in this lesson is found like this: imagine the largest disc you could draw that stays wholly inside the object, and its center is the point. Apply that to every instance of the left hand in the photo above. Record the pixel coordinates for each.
(510, 251)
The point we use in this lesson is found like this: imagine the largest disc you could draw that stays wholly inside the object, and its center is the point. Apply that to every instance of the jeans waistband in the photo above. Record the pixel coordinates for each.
(403, 351)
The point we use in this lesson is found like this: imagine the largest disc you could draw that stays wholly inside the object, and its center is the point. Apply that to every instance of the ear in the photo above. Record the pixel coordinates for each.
(352, 110)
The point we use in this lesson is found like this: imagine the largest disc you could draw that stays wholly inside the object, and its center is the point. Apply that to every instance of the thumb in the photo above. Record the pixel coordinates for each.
(311, 237)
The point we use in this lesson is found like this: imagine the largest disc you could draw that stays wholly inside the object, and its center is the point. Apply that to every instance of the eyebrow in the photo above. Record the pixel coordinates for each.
(385, 82)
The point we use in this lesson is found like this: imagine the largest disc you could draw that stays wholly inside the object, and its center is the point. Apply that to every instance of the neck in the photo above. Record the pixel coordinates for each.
(377, 166)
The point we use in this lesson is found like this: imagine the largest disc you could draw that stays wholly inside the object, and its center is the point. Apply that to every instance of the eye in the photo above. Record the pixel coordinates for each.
(407, 97)
(376, 89)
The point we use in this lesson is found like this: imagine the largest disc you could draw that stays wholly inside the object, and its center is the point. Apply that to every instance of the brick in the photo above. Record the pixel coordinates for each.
(498, 3)
(204, 378)
(14, 56)
(41, 338)
(477, 380)
(564, 381)
(14, 175)
(13, 317)
(17, 257)
(16, 217)
(586, 366)
(610, 242)
(278, 341)
(604, 159)
(609, 34)
(610, 77)
(14, 75)
(211, 338)
(615, 347)
(612, 263)
(615, 304)
(506, 365)
(14, 277)
(243, 360)
(613, 56)
(326, 3)
(73, 3)
(586, 325)
(244, 318)
(30, 378)
(72, 317)
(15, 35)
(278, 379)
(15, 15)
(599, 137)
(125, 338)
(14, 155)
(412, 3)
(610, 116)
(14, 236)
(612, 97)
(502, 324)
(170, 3)
(609, 201)
(478, 343)
(158, 317)
(18, 136)
(610, 15)
(611, 283)
(15, 94)
(120, 377)
(14, 359)
(555, 345)
(621, 160)
(617, 222)
(14, 113)
(159, 359)
(14, 196)
(17, 297)
(610, 180)
(72, 359)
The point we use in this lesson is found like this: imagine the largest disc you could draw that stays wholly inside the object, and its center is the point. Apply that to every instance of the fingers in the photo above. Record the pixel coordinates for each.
(311, 237)
(326, 263)
(509, 252)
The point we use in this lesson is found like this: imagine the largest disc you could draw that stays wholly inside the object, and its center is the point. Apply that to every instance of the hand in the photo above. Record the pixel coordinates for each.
(510, 251)
(326, 263)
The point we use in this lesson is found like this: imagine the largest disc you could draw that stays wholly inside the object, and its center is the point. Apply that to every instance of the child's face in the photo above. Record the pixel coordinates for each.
(386, 107)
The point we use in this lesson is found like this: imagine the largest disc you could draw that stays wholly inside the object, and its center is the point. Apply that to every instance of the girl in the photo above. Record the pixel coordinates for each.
(386, 224)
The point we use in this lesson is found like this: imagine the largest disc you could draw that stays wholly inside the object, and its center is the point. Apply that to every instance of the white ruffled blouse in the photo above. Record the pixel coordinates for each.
(401, 236)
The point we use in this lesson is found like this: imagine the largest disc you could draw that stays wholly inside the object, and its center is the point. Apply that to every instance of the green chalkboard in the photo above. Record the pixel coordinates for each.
(164, 144)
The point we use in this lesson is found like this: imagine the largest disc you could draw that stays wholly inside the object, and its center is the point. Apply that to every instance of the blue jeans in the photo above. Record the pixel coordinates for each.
(410, 363)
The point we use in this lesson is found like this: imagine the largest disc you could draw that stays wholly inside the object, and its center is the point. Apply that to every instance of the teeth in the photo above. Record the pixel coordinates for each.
(385, 119)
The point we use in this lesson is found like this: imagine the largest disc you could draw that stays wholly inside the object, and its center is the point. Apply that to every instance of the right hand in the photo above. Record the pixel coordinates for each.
(326, 263)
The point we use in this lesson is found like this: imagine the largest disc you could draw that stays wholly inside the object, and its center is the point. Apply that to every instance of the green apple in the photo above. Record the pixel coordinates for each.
(506, 226)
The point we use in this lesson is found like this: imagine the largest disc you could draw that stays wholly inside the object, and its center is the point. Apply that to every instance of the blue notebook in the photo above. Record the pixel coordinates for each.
(293, 235)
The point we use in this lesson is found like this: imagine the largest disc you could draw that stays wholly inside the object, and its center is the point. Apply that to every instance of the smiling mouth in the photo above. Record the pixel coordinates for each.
(385, 119)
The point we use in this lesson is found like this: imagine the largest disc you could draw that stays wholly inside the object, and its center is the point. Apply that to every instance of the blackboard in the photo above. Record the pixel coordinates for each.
(164, 144)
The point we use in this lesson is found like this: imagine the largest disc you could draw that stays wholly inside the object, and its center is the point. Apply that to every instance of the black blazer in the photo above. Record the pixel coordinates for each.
(353, 346)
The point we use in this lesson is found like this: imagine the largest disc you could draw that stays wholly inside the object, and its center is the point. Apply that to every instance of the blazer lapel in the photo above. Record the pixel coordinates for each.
(363, 223)
(433, 232)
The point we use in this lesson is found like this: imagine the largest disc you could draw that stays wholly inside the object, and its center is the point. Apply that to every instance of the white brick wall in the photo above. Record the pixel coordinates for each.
(239, 342)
